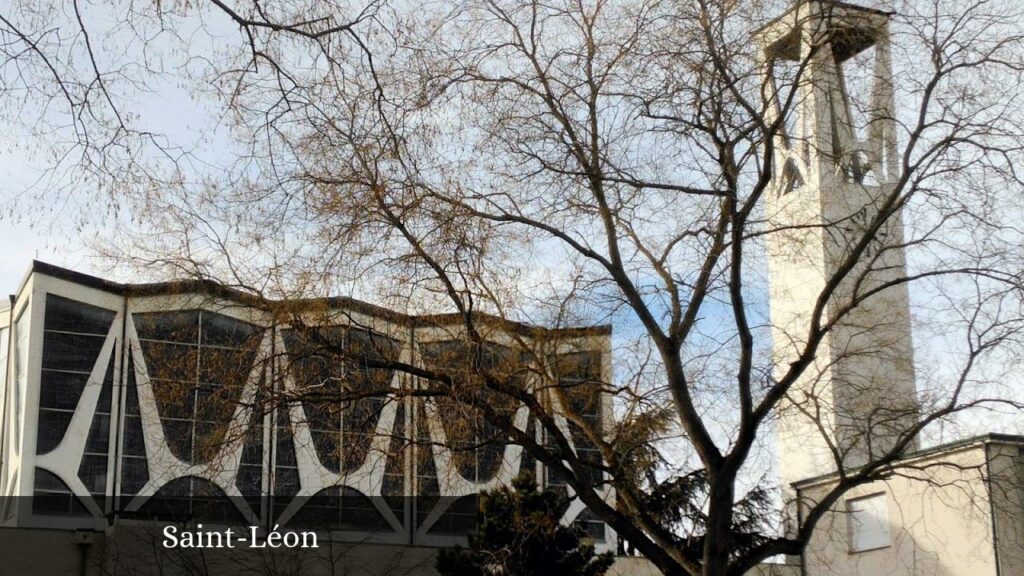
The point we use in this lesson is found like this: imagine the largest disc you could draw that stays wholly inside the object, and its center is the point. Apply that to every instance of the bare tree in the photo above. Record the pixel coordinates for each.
(641, 163)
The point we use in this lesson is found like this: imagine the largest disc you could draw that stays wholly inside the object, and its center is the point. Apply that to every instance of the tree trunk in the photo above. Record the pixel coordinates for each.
(718, 541)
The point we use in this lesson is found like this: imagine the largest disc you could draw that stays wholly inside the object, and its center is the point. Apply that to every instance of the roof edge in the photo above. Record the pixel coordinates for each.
(213, 288)
(954, 445)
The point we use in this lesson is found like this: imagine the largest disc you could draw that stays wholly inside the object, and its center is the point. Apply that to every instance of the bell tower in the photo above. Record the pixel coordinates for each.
(836, 230)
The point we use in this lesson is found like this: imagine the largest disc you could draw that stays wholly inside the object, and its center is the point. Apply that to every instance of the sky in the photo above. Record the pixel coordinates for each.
(22, 240)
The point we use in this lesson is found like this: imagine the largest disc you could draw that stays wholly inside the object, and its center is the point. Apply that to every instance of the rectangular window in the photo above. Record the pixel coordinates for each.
(868, 523)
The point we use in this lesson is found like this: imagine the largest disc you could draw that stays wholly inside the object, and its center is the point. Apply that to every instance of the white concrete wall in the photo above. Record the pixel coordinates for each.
(940, 520)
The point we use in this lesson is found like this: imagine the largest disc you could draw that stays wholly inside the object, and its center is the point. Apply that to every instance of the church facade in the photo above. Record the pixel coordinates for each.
(184, 400)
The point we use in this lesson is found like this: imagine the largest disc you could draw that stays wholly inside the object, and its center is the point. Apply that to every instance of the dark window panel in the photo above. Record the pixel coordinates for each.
(591, 527)
(322, 509)
(192, 499)
(61, 390)
(317, 377)
(324, 340)
(174, 399)
(134, 475)
(48, 481)
(328, 448)
(460, 518)
(98, 441)
(249, 480)
(252, 450)
(209, 439)
(178, 434)
(322, 415)
(580, 439)
(554, 477)
(372, 345)
(216, 403)
(177, 488)
(71, 316)
(477, 445)
(489, 460)
(359, 513)
(591, 460)
(52, 497)
(356, 448)
(578, 366)
(285, 449)
(425, 470)
(52, 426)
(169, 361)
(286, 481)
(93, 473)
(528, 464)
(131, 397)
(221, 330)
(176, 326)
(74, 352)
(106, 392)
(225, 367)
(394, 471)
(52, 503)
(369, 380)
(133, 440)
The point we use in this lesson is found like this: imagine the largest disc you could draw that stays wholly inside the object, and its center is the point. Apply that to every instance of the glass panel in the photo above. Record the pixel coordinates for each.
(131, 396)
(249, 480)
(328, 448)
(133, 441)
(169, 361)
(286, 475)
(225, 367)
(174, 399)
(176, 326)
(459, 518)
(209, 439)
(52, 426)
(52, 497)
(252, 451)
(359, 513)
(71, 316)
(134, 475)
(178, 434)
(99, 435)
(868, 523)
(74, 352)
(216, 403)
(220, 330)
(591, 527)
(107, 391)
(93, 473)
(61, 390)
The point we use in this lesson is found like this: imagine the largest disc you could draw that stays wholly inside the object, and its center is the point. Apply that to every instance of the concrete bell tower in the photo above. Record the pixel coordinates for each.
(834, 166)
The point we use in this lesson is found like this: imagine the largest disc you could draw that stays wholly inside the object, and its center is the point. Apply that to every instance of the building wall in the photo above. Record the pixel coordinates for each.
(939, 516)
(127, 403)
(1006, 470)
